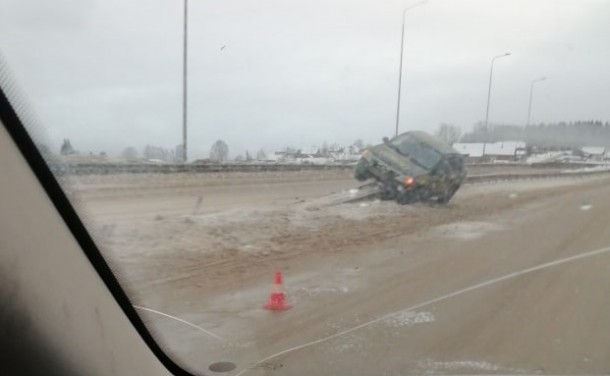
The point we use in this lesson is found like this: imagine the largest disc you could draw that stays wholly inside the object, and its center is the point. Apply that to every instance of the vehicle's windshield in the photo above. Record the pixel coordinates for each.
(417, 151)
(218, 152)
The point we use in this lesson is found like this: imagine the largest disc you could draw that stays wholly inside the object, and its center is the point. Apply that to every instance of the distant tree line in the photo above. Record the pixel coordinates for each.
(565, 134)
(158, 153)
(261, 155)
(219, 152)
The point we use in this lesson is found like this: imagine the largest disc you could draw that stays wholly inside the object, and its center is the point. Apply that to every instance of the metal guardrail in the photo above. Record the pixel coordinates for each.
(125, 168)
(542, 165)
(106, 169)
(473, 179)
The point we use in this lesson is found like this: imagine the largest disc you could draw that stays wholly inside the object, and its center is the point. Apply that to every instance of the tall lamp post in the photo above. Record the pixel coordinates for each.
(491, 72)
(184, 83)
(402, 43)
(529, 108)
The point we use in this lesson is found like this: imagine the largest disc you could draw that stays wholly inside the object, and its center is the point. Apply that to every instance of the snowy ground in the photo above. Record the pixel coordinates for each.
(204, 250)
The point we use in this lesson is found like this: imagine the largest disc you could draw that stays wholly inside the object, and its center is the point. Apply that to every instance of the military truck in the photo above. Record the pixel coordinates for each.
(413, 166)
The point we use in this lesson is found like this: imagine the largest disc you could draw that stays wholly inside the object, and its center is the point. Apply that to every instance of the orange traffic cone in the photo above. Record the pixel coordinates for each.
(277, 300)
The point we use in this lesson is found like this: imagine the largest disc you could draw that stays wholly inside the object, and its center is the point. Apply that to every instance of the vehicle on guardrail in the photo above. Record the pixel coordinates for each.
(413, 166)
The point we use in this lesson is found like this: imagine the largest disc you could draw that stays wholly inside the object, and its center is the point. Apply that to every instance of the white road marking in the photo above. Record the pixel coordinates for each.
(409, 318)
(586, 207)
(182, 321)
(430, 364)
(432, 301)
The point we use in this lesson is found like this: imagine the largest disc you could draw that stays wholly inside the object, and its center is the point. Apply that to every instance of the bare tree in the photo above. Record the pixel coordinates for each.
(261, 155)
(449, 133)
(159, 153)
(66, 148)
(359, 144)
(325, 150)
(130, 153)
(289, 150)
(219, 151)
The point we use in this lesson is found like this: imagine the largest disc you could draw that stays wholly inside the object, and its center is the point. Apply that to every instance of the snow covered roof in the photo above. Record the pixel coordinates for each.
(593, 150)
(471, 149)
(504, 147)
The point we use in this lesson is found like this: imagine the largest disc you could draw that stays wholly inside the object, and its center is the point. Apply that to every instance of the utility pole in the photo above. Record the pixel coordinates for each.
(491, 72)
(402, 43)
(184, 85)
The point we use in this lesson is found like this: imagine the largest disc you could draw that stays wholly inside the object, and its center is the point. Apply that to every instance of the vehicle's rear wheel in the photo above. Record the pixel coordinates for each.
(448, 193)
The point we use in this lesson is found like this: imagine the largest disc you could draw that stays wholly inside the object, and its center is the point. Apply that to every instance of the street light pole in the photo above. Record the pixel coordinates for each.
(184, 83)
(491, 72)
(402, 43)
(529, 108)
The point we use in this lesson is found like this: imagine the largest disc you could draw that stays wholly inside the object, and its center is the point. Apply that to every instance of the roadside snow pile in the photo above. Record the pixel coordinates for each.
(465, 230)
(470, 366)
(587, 169)
(544, 158)
(589, 162)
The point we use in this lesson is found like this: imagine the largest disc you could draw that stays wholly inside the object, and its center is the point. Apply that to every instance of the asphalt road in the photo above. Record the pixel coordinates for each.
(451, 302)
(500, 281)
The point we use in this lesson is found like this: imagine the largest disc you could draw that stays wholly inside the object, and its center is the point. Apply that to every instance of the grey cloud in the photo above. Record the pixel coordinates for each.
(299, 73)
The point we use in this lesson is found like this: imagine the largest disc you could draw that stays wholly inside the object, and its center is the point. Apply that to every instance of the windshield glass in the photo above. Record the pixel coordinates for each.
(217, 152)
(419, 152)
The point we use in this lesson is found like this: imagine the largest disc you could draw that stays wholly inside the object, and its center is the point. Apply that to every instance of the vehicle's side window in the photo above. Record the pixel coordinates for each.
(441, 168)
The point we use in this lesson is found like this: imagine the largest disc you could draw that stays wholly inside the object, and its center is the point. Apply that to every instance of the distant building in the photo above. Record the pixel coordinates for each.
(597, 153)
(502, 150)
(312, 159)
(469, 149)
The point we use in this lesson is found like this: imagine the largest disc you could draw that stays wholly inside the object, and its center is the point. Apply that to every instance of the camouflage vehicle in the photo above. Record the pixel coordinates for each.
(413, 166)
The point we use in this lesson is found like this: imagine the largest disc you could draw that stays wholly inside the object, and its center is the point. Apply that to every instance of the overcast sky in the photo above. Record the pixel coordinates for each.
(107, 73)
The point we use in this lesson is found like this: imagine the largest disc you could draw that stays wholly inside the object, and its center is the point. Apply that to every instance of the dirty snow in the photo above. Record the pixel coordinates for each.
(465, 230)
(409, 318)
(545, 158)
(432, 366)
(600, 168)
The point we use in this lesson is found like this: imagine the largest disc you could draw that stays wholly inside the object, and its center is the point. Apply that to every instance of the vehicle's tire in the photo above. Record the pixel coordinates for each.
(402, 198)
(421, 195)
(446, 196)
(387, 192)
(362, 172)
(410, 197)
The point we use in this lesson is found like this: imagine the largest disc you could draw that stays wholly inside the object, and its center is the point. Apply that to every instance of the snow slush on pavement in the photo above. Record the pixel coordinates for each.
(413, 166)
